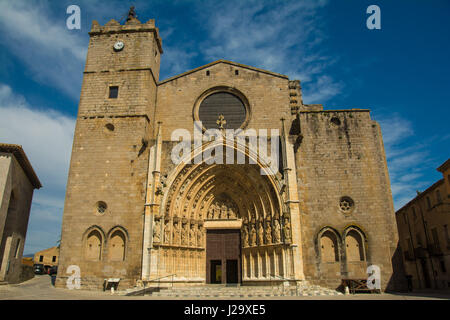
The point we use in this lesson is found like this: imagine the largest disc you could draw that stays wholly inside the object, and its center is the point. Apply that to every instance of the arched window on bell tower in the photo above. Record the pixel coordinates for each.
(354, 246)
(94, 244)
(329, 247)
(117, 245)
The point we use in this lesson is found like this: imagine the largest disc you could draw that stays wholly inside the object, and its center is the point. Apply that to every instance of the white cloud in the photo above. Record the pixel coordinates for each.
(176, 60)
(406, 158)
(46, 137)
(281, 36)
(322, 89)
(54, 55)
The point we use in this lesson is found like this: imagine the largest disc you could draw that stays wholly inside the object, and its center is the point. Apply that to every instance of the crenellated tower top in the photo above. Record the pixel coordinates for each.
(132, 25)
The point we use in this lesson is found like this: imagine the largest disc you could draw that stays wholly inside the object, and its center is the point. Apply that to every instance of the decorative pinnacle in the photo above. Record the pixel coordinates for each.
(131, 13)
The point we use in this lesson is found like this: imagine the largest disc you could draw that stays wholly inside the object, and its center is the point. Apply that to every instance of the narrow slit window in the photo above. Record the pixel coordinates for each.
(16, 253)
(113, 92)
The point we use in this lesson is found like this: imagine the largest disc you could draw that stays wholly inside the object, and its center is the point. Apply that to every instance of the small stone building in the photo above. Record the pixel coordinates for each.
(424, 235)
(47, 257)
(17, 183)
(132, 212)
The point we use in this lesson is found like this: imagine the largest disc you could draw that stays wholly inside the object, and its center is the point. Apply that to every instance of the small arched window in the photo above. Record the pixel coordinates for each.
(354, 246)
(94, 246)
(17, 250)
(117, 246)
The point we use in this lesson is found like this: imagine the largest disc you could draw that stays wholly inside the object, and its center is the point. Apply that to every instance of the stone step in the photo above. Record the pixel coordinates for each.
(233, 291)
(222, 295)
(268, 292)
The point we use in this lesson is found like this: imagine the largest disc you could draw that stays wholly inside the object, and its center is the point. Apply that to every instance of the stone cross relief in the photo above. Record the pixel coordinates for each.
(221, 121)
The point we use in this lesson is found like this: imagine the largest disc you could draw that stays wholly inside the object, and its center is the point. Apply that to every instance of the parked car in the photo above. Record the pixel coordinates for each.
(53, 270)
(38, 268)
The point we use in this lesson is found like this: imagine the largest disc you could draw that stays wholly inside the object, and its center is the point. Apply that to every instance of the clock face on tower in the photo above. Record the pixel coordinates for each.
(118, 46)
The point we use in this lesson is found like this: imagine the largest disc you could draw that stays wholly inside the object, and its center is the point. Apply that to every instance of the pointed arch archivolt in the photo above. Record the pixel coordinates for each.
(189, 184)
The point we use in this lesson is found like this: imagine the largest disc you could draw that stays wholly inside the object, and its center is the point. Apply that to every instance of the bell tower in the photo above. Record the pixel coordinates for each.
(122, 69)
(106, 188)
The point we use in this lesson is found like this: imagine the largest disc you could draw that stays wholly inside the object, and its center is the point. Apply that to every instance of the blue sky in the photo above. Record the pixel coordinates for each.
(401, 73)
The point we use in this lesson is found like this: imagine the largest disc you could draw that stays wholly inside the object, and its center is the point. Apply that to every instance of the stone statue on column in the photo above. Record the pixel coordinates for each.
(199, 236)
(253, 235)
(192, 236)
(210, 212)
(276, 231)
(157, 231)
(176, 234)
(184, 234)
(167, 232)
(245, 235)
(260, 234)
(268, 233)
(287, 231)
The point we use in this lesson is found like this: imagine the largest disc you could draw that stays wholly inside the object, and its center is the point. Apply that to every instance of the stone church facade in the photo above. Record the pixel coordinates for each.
(130, 212)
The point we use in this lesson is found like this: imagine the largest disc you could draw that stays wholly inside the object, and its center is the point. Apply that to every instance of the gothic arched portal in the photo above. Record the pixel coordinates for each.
(235, 196)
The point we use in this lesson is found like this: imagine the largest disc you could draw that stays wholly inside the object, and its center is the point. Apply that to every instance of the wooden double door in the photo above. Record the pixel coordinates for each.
(223, 256)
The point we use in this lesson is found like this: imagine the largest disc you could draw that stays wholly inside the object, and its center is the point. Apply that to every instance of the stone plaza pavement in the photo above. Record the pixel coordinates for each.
(40, 288)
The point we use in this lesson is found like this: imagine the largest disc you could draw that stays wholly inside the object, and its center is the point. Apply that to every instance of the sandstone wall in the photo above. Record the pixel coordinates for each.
(267, 95)
(337, 158)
